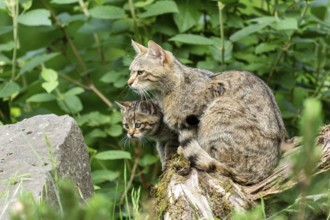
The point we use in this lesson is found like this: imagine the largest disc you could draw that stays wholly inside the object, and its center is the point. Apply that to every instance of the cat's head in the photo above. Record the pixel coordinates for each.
(151, 68)
(140, 118)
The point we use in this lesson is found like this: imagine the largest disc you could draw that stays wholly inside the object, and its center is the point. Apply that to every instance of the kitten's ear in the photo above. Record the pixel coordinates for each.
(156, 51)
(138, 47)
(123, 105)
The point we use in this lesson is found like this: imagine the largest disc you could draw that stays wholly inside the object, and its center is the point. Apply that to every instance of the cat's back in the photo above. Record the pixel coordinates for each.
(256, 97)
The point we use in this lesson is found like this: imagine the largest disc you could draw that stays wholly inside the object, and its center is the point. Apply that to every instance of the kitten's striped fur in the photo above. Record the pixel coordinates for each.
(145, 119)
(227, 122)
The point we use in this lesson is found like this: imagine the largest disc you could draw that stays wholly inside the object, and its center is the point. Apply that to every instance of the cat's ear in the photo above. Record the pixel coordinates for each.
(154, 50)
(123, 105)
(138, 47)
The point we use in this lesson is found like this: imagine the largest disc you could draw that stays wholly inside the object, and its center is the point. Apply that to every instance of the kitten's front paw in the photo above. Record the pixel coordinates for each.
(180, 151)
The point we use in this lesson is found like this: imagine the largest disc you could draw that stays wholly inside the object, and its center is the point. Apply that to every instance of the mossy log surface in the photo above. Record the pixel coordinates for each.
(186, 193)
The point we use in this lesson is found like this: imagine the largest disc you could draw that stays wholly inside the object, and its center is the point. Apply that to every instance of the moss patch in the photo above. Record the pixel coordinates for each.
(177, 164)
(219, 204)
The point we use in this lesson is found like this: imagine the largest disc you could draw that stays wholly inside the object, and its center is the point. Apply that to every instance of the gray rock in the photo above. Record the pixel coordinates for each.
(37, 151)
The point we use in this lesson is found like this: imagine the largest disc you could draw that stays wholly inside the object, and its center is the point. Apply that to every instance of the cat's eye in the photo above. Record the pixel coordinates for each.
(137, 125)
(140, 72)
(126, 126)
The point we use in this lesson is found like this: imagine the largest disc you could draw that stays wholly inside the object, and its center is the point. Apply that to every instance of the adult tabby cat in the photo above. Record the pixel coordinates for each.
(229, 122)
(144, 119)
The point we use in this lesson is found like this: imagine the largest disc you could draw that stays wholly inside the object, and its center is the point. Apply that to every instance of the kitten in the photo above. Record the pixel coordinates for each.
(144, 119)
(227, 122)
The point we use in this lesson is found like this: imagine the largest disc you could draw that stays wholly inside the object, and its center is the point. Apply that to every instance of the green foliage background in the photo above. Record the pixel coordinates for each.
(72, 57)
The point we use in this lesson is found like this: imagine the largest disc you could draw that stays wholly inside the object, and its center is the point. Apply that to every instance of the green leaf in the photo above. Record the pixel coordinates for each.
(99, 2)
(49, 75)
(94, 119)
(74, 91)
(115, 130)
(5, 29)
(159, 8)
(97, 133)
(116, 117)
(143, 4)
(107, 12)
(62, 2)
(41, 97)
(49, 86)
(244, 32)
(318, 3)
(110, 77)
(8, 46)
(8, 89)
(192, 39)
(120, 83)
(100, 176)
(26, 4)
(266, 47)
(265, 20)
(4, 60)
(286, 24)
(188, 16)
(36, 61)
(113, 155)
(70, 104)
(148, 160)
(35, 17)
(320, 12)
(95, 25)
(66, 18)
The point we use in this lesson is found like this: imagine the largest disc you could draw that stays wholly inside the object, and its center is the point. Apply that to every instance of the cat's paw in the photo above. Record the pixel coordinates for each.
(180, 151)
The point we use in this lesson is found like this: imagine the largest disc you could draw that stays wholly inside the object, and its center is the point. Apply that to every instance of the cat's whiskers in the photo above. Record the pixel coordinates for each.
(126, 140)
(148, 140)
(143, 94)
(127, 91)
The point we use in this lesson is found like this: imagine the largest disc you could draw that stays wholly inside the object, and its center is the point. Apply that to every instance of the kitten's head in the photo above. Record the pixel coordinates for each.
(140, 118)
(151, 68)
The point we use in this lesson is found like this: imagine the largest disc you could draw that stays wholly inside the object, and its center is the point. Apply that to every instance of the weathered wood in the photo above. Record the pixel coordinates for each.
(187, 193)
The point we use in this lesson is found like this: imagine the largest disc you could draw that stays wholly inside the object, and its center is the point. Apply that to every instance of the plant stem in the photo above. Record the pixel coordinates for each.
(100, 95)
(135, 19)
(221, 7)
(136, 161)
(84, 8)
(13, 7)
(302, 204)
(69, 40)
(303, 13)
(133, 172)
(68, 78)
(91, 86)
(278, 59)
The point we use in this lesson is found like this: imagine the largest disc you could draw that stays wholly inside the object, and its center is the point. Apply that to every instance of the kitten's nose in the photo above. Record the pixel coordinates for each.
(130, 135)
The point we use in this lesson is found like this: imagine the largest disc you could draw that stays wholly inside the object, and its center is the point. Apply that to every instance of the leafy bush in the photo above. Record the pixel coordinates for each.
(72, 57)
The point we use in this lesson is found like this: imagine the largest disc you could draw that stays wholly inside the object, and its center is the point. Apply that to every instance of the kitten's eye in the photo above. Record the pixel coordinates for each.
(137, 125)
(140, 72)
(126, 126)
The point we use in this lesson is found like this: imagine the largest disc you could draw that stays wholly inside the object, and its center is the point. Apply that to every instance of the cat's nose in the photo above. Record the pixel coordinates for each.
(130, 82)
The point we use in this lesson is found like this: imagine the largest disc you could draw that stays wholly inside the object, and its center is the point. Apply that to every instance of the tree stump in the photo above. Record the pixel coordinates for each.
(187, 193)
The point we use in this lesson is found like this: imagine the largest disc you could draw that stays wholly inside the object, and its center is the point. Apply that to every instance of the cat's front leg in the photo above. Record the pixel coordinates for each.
(191, 150)
(161, 152)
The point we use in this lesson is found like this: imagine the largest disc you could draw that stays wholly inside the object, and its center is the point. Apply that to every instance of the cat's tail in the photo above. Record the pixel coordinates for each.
(197, 156)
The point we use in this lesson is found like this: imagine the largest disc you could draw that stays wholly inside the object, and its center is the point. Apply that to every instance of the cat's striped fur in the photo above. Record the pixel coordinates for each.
(144, 119)
(228, 122)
